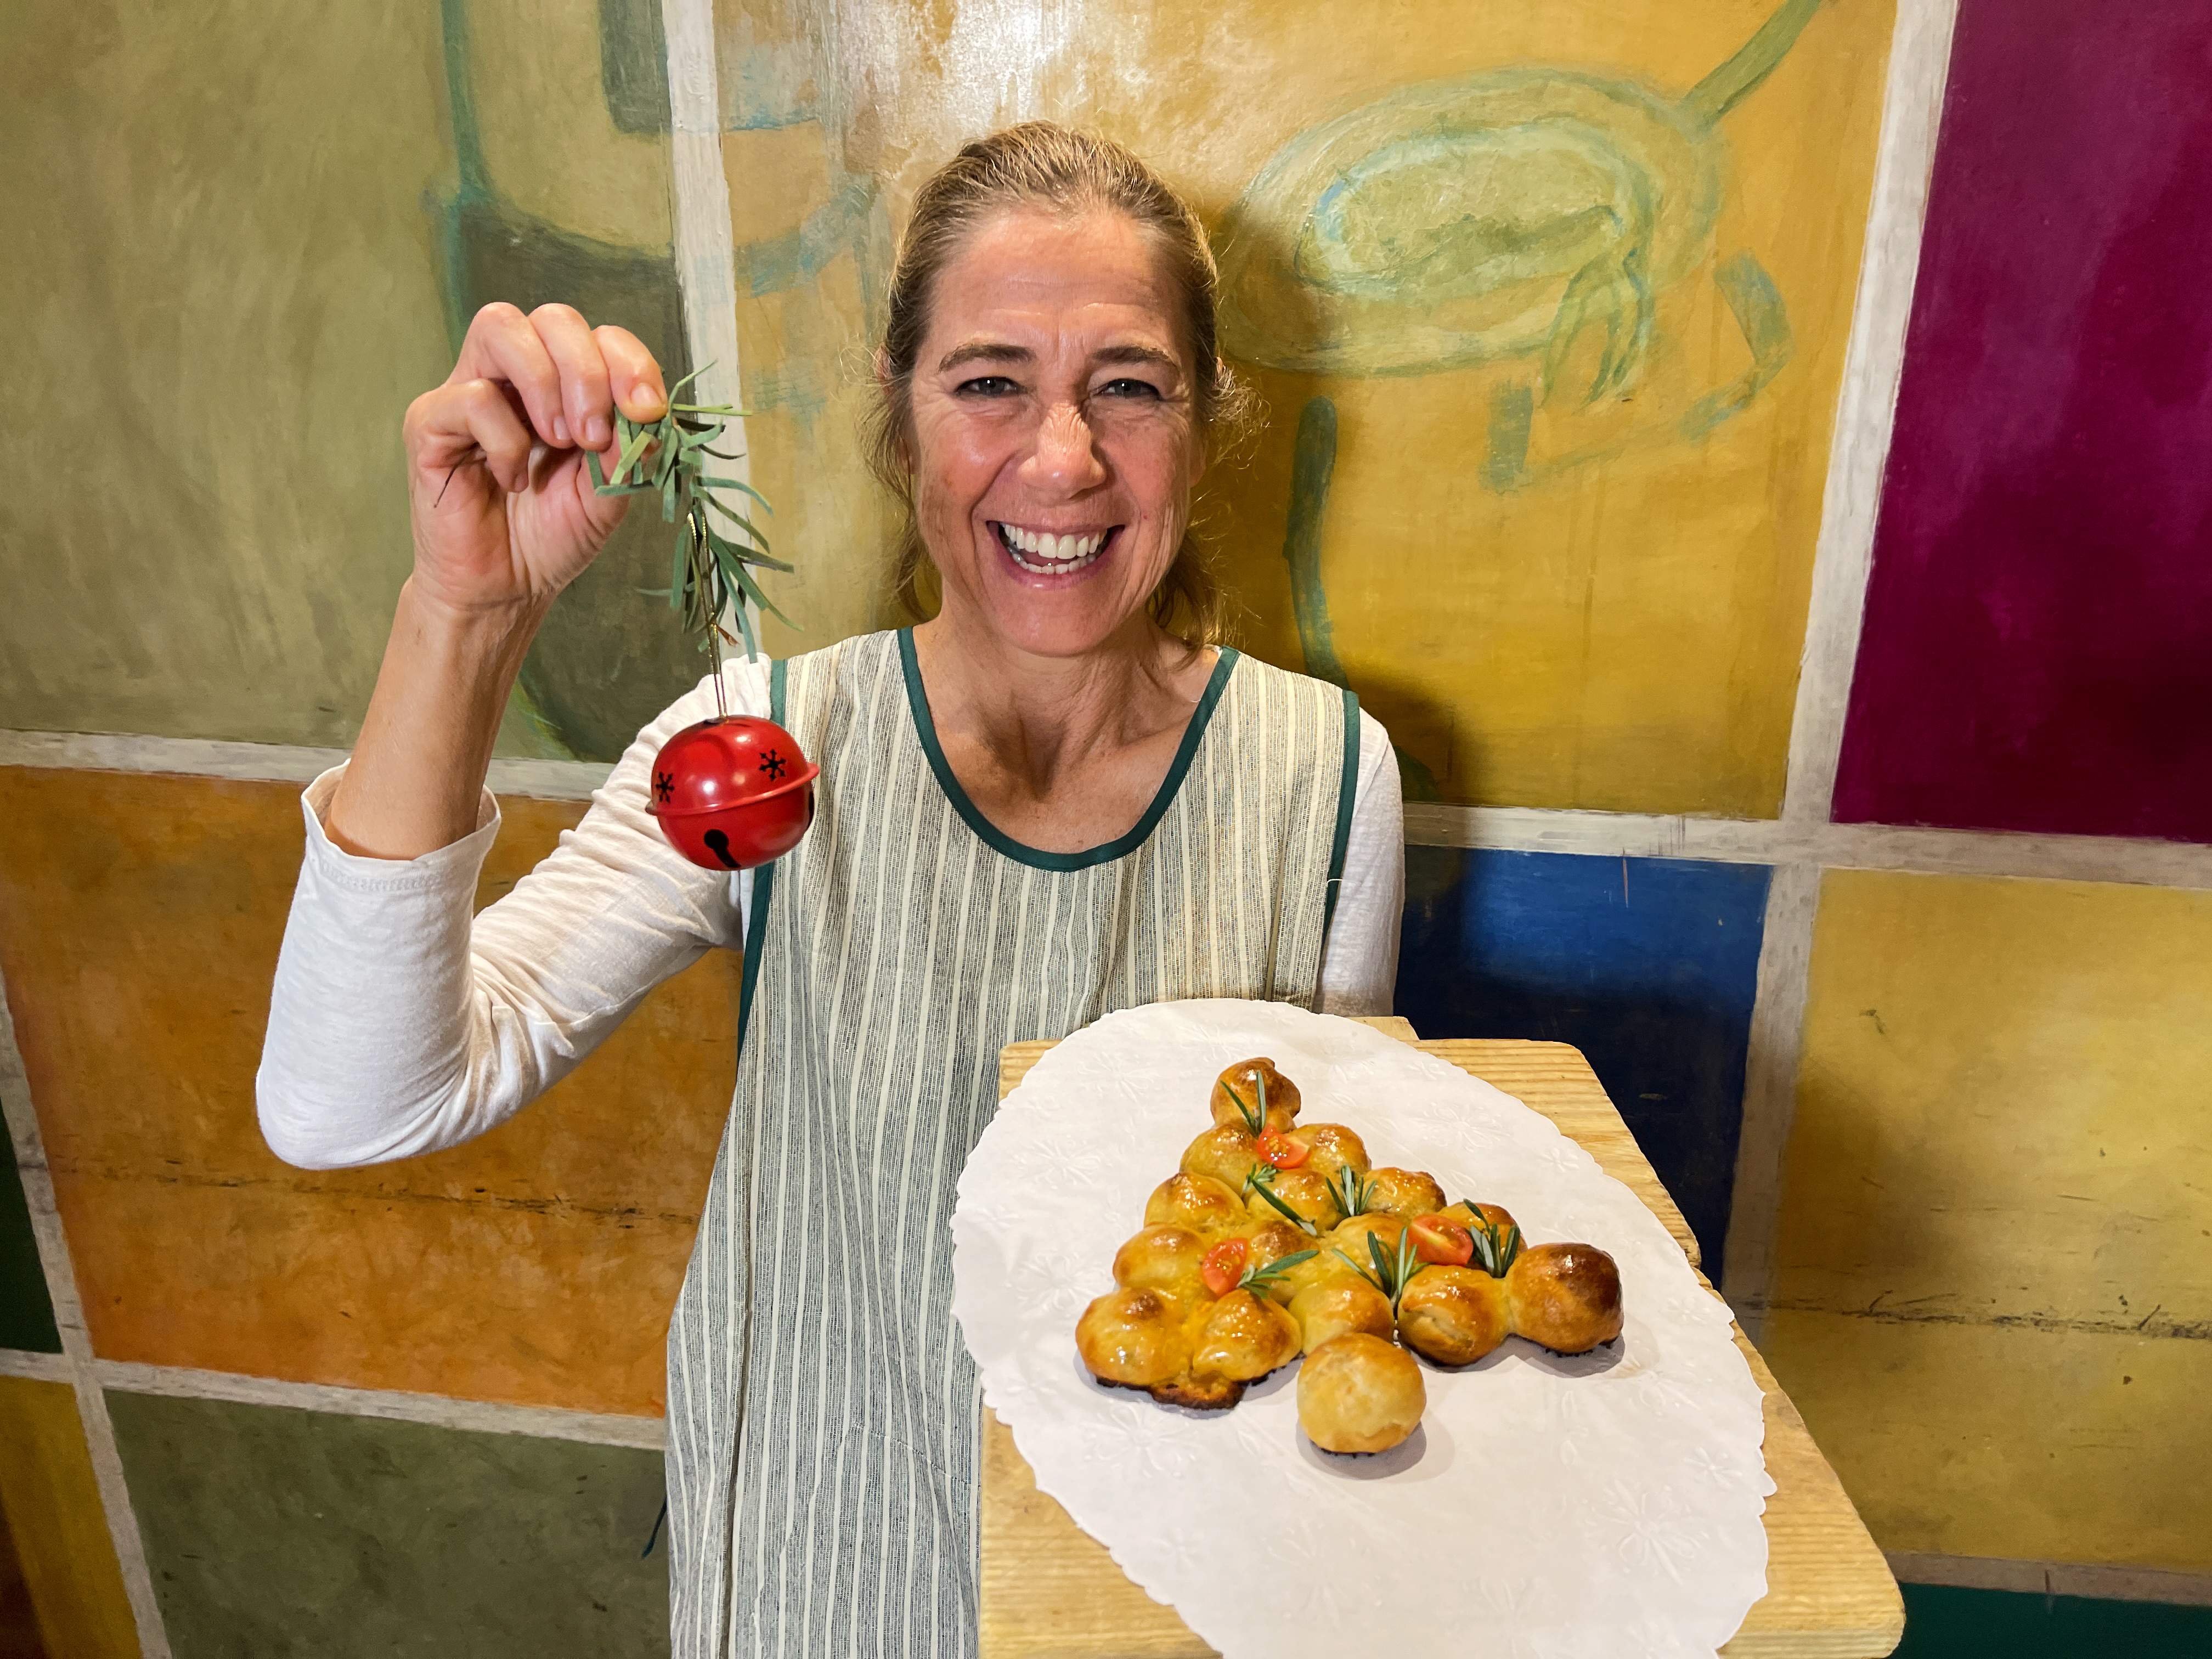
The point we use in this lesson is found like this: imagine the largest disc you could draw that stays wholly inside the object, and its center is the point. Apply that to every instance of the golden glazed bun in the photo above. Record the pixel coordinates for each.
(1197, 1204)
(1245, 1337)
(1404, 1193)
(1307, 1194)
(1244, 1079)
(1226, 1152)
(1330, 1309)
(1471, 1216)
(1137, 1338)
(1351, 1237)
(1357, 1393)
(1330, 1147)
(1453, 1316)
(1565, 1297)
(1164, 1258)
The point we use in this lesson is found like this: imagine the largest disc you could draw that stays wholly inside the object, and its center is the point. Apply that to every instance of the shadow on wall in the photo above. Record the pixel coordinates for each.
(1647, 966)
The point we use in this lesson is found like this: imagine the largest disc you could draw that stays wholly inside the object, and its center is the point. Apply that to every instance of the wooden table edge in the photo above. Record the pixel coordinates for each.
(1872, 1638)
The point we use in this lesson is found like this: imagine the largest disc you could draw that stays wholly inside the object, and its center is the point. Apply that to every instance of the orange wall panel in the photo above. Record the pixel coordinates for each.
(139, 923)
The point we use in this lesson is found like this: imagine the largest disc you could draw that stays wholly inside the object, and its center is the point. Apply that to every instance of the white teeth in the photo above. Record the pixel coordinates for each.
(1051, 555)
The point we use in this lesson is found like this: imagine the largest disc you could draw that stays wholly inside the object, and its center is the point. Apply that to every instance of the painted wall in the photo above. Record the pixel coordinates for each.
(1551, 315)
(2035, 654)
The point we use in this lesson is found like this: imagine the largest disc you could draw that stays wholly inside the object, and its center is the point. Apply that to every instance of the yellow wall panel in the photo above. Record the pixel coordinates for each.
(139, 923)
(1613, 620)
(50, 1504)
(1996, 1194)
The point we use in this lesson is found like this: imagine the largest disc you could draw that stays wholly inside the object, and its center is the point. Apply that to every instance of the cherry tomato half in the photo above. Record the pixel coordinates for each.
(1282, 1151)
(1442, 1241)
(1224, 1265)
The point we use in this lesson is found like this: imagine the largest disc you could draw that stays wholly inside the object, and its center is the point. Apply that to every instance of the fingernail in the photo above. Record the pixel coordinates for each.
(599, 431)
(560, 430)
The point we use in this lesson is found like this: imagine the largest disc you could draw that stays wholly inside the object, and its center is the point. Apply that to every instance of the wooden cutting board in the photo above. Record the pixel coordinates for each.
(1049, 1589)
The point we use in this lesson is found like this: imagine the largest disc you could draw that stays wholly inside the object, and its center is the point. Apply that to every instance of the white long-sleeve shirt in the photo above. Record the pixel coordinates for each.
(401, 1024)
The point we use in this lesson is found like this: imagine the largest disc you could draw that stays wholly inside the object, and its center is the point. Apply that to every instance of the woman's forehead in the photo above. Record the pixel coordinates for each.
(1046, 282)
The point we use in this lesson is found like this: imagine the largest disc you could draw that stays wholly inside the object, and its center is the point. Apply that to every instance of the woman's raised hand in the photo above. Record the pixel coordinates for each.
(505, 514)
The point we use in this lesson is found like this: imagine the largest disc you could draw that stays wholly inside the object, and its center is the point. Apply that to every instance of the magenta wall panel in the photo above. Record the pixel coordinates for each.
(2038, 652)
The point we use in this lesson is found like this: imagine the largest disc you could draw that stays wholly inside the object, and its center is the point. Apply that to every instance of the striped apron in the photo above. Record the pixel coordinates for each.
(823, 1413)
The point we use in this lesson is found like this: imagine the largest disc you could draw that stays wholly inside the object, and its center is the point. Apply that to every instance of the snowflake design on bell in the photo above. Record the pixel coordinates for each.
(773, 764)
(664, 786)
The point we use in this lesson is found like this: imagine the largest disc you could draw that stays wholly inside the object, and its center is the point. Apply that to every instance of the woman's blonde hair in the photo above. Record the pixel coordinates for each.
(1044, 164)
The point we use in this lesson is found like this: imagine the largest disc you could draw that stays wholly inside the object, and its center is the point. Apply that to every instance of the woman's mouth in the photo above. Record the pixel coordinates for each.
(1042, 554)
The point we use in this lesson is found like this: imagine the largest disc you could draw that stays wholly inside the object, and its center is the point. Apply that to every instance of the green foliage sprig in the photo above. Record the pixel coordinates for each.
(1393, 1271)
(1258, 1278)
(711, 573)
(1262, 1181)
(1350, 1188)
(1495, 1247)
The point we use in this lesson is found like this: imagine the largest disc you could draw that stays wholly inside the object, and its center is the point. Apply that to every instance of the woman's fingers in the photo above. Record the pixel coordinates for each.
(633, 375)
(503, 344)
(569, 378)
(447, 426)
(588, 407)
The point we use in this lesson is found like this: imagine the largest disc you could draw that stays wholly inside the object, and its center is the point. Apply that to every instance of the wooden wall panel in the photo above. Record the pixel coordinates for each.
(65, 1567)
(139, 923)
(1994, 1274)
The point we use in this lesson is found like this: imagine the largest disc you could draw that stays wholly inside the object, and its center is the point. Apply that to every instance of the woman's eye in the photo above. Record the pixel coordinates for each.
(987, 385)
(1129, 388)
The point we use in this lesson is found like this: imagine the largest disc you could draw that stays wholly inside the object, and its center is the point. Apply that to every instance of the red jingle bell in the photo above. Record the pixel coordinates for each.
(732, 793)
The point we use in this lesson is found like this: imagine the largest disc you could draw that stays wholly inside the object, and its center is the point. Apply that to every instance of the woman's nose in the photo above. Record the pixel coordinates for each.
(1065, 458)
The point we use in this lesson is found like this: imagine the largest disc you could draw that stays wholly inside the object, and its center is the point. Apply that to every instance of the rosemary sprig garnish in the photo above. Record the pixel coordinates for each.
(1262, 1181)
(1254, 1122)
(710, 572)
(1495, 1247)
(1350, 1189)
(1393, 1272)
(1259, 1279)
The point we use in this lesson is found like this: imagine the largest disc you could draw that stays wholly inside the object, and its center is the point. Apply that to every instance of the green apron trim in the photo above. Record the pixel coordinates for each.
(1347, 791)
(925, 727)
(764, 885)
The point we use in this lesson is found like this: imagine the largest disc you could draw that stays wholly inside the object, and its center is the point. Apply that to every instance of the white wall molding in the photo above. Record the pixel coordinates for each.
(1775, 842)
(38, 1367)
(437, 1411)
(1904, 848)
(1866, 408)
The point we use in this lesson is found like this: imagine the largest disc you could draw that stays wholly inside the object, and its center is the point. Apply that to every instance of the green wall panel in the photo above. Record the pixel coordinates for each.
(26, 1317)
(277, 1534)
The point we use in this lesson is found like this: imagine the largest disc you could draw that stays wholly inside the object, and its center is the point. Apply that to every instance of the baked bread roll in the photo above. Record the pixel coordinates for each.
(1237, 1096)
(1404, 1193)
(1565, 1297)
(1357, 1393)
(1305, 1192)
(1329, 1147)
(1352, 1235)
(1453, 1316)
(1334, 1306)
(1166, 1259)
(1245, 1336)
(1198, 1204)
(1226, 1153)
(1137, 1338)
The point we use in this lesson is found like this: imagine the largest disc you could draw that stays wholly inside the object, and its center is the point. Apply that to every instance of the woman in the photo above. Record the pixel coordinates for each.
(1053, 800)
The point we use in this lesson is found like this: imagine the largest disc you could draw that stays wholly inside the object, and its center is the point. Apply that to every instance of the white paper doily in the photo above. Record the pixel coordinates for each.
(1557, 1509)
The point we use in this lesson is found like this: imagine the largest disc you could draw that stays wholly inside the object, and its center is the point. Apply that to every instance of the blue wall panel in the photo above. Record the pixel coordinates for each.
(1646, 965)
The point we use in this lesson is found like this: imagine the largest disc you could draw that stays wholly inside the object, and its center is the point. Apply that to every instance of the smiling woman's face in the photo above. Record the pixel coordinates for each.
(1055, 442)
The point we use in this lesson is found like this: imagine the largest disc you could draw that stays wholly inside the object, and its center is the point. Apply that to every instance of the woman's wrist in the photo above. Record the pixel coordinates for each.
(418, 767)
